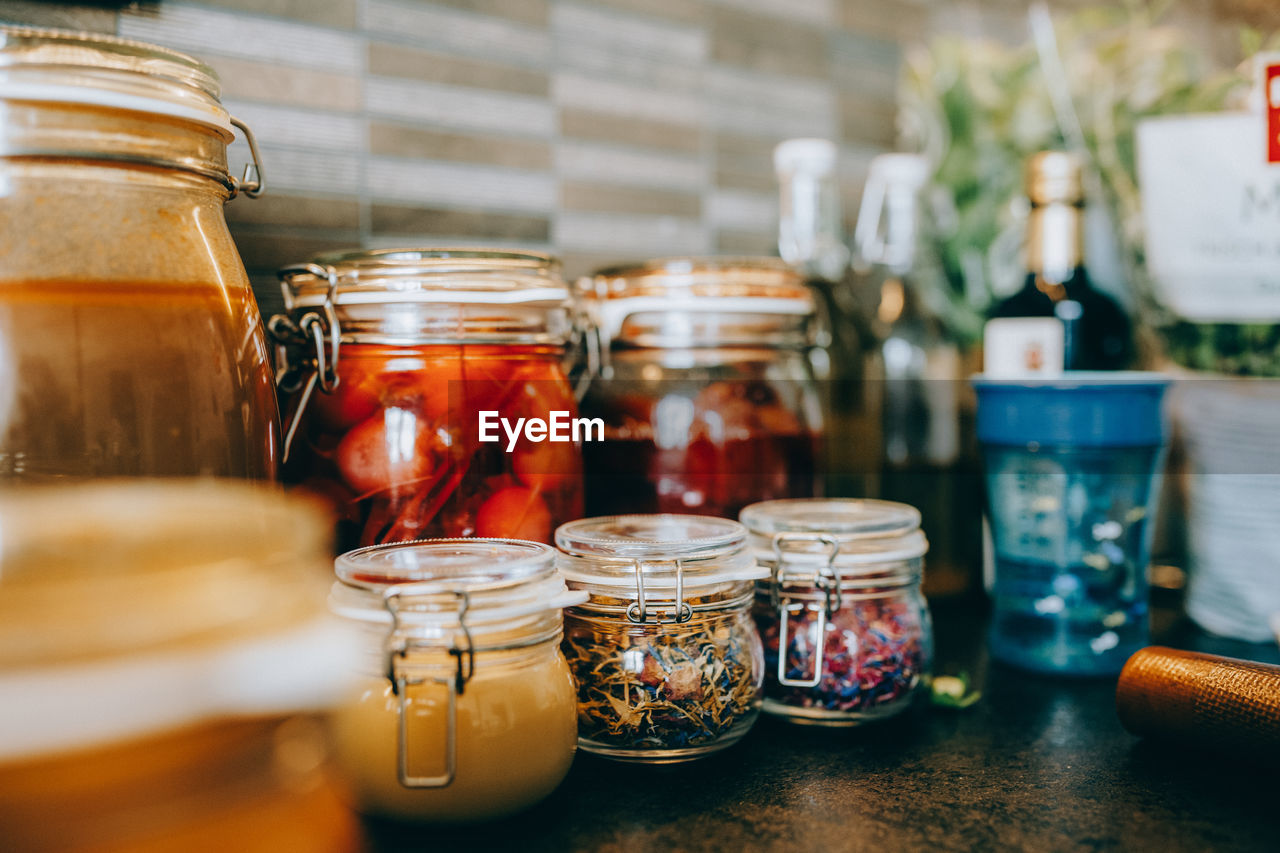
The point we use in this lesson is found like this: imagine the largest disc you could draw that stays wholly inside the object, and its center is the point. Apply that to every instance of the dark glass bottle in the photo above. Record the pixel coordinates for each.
(1096, 333)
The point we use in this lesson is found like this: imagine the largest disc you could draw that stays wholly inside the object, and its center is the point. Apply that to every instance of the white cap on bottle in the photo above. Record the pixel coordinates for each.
(807, 155)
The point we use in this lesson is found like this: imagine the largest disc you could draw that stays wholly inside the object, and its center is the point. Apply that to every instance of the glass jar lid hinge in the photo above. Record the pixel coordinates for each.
(827, 582)
(638, 610)
(398, 648)
(254, 181)
(306, 348)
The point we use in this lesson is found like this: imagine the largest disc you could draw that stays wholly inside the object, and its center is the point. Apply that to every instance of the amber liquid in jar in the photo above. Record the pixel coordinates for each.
(123, 378)
(395, 448)
(516, 737)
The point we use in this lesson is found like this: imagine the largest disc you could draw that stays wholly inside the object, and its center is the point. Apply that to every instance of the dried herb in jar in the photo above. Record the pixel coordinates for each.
(664, 687)
(873, 655)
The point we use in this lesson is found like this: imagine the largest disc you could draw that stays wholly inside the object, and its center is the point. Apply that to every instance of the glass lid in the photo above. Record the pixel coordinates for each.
(493, 276)
(451, 565)
(845, 531)
(100, 70)
(849, 518)
(442, 583)
(612, 549)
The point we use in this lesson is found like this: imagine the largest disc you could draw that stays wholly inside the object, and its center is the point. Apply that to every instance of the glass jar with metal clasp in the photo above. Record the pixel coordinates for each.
(466, 708)
(847, 633)
(392, 362)
(667, 660)
(130, 340)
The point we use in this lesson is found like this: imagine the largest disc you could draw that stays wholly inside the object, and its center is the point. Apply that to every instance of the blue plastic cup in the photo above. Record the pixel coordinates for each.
(1072, 466)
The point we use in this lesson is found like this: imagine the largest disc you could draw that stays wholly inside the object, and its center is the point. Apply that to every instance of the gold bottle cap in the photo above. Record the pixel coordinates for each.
(1054, 177)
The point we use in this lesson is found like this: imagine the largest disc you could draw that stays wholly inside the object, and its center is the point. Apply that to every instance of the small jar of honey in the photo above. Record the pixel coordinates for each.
(466, 706)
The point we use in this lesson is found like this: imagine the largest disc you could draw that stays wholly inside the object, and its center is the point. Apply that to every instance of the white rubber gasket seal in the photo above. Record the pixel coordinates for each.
(11, 90)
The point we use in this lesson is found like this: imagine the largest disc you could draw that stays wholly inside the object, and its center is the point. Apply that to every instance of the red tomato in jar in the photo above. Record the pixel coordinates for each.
(355, 399)
(546, 466)
(396, 447)
(514, 513)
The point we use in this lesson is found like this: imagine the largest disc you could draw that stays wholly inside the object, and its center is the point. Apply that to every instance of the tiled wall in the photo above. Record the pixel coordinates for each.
(604, 130)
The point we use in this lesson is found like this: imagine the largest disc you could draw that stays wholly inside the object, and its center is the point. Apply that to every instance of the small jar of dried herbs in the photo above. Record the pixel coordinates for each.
(667, 659)
(846, 629)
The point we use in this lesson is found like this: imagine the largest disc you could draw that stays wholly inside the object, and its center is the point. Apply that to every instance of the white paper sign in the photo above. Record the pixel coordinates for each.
(1211, 209)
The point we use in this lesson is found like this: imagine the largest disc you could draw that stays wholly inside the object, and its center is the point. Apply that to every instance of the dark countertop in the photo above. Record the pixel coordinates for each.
(1037, 764)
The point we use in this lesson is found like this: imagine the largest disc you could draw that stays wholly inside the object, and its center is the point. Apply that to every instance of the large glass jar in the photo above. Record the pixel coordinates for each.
(466, 708)
(705, 387)
(847, 633)
(165, 656)
(396, 355)
(130, 342)
(666, 658)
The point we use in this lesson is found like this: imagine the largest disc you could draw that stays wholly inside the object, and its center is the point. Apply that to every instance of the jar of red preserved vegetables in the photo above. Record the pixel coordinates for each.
(392, 359)
(847, 633)
(704, 384)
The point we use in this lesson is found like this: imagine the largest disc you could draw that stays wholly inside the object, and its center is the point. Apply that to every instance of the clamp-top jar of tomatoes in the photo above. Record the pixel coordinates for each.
(413, 377)
(704, 384)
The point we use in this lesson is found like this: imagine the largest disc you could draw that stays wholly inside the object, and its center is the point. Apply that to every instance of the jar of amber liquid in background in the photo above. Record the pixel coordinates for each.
(395, 356)
(165, 657)
(705, 387)
(130, 342)
(466, 707)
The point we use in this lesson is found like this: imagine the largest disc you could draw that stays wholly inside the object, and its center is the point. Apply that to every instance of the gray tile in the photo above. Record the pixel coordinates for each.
(314, 212)
(742, 210)
(909, 20)
(868, 119)
(630, 235)
(340, 14)
(767, 44)
(643, 133)
(302, 170)
(435, 221)
(216, 32)
(746, 243)
(577, 24)
(769, 105)
(268, 249)
(63, 16)
(394, 60)
(459, 107)
(586, 161)
(590, 92)
(532, 12)
(276, 125)
(281, 84)
(455, 31)
(821, 12)
(451, 184)
(684, 11)
(581, 195)
(429, 144)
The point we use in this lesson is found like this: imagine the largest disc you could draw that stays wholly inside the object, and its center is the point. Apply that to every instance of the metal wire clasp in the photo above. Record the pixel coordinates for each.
(306, 349)
(398, 647)
(638, 610)
(254, 181)
(827, 582)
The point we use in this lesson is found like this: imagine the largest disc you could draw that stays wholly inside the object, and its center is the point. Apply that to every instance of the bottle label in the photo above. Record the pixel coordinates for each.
(1023, 347)
(1271, 92)
(1211, 213)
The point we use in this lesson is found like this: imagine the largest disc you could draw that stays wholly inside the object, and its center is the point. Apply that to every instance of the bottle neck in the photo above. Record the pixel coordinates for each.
(1055, 245)
(810, 230)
